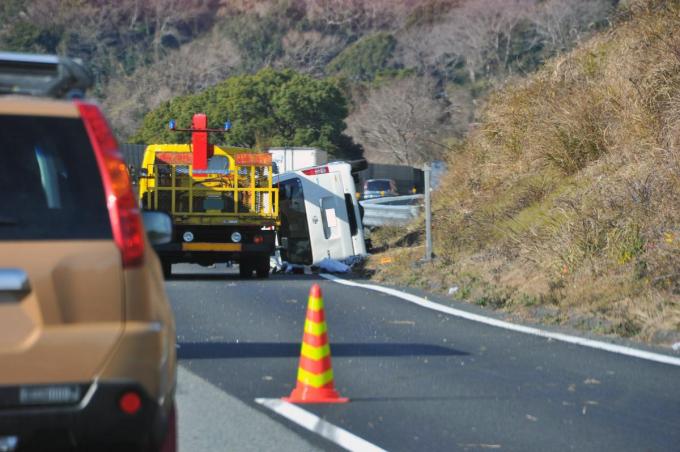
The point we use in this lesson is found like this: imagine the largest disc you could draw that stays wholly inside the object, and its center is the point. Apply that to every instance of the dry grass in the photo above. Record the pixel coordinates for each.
(566, 199)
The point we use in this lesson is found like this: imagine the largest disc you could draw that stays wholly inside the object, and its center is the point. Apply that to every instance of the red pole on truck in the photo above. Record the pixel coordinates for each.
(199, 141)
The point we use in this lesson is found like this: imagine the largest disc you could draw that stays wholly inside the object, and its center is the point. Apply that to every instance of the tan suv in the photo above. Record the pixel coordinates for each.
(87, 336)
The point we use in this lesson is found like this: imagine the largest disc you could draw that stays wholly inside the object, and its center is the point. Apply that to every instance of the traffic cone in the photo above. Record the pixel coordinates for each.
(315, 372)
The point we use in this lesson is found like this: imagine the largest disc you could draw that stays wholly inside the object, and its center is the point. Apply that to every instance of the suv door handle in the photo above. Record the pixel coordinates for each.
(14, 280)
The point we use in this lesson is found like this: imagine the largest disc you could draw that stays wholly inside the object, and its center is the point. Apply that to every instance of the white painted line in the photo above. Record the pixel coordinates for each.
(613, 348)
(313, 423)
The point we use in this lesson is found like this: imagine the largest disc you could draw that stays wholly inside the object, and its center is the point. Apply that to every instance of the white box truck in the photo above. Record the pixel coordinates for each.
(292, 159)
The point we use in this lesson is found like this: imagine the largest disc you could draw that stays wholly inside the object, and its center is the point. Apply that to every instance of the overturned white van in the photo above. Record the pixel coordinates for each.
(320, 216)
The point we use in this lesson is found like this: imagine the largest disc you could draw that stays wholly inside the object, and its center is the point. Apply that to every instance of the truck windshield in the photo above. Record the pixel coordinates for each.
(218, 163)
(50, 183)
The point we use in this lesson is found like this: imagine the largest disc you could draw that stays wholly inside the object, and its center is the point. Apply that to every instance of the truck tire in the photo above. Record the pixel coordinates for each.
(245, 269)
(262, 267)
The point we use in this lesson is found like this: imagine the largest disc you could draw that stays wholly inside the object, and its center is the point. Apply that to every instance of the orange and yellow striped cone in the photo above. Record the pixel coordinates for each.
(315, 372)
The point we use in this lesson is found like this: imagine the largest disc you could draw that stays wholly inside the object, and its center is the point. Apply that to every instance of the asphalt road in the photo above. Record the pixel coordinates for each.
(417, 379)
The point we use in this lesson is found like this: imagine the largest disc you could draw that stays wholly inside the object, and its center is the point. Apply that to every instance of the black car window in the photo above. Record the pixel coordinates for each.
(50, 183)
(378, 185)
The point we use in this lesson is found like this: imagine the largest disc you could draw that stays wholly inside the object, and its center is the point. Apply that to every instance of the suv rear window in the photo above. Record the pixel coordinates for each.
(50, 186)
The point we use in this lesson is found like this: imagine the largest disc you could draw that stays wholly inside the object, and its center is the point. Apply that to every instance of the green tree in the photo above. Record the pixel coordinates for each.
(365, 58)
(259, 36)
(270, 108)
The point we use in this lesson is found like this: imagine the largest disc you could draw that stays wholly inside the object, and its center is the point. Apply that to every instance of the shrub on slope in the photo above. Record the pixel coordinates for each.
(564, 201)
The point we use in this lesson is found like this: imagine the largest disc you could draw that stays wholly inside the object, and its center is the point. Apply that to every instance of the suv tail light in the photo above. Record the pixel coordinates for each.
(126, 221)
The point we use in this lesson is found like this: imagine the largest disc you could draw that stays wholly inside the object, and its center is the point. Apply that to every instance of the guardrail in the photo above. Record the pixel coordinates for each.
(391, 211)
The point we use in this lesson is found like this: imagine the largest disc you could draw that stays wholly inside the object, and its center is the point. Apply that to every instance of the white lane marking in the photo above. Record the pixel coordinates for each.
(313, 423)
(613, 348)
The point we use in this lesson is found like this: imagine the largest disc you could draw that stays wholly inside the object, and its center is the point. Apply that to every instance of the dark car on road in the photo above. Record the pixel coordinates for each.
(87, 336)
(379, 188)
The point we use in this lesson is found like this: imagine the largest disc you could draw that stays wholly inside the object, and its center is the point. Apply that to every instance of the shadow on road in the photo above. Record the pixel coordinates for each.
(217, 350)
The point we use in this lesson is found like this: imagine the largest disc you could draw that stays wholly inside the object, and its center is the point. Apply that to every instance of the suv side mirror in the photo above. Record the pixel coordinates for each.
(158, 226)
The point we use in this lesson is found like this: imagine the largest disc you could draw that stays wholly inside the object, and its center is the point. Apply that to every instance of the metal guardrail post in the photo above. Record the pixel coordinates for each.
(428, 213)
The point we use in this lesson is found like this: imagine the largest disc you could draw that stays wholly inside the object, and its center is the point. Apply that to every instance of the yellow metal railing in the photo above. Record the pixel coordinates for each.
(244, 192)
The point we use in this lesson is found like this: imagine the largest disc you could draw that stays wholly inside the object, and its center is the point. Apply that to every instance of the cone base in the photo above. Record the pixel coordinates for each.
(317, 400)
(307, 394)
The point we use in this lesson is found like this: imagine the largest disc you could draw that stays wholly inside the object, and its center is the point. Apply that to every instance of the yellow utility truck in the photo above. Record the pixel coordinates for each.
(223, 205)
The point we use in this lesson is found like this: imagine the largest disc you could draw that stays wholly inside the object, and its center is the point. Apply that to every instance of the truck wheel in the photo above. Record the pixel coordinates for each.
(262, 268)
(167, 269)
(245, 269)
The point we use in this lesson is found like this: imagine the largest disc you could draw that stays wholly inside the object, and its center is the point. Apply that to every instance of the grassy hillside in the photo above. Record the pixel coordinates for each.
(564, 203)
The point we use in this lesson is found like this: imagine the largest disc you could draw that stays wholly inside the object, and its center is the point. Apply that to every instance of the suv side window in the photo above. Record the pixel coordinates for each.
(50, 183)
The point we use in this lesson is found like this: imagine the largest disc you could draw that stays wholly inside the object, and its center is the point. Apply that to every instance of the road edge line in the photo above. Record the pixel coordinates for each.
(315, 424)
(584, 342)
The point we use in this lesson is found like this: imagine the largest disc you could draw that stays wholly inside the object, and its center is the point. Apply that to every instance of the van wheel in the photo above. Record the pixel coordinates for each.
(245, 269)
(263, 267)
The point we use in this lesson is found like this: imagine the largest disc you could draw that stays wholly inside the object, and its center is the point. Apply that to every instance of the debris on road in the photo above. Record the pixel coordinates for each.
(354, 260)
(402, 322)
(333, 266)
(294, 268)
(275, 262)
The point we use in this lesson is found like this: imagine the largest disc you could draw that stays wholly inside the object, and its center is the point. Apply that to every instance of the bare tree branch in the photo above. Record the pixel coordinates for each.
(397, 120)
